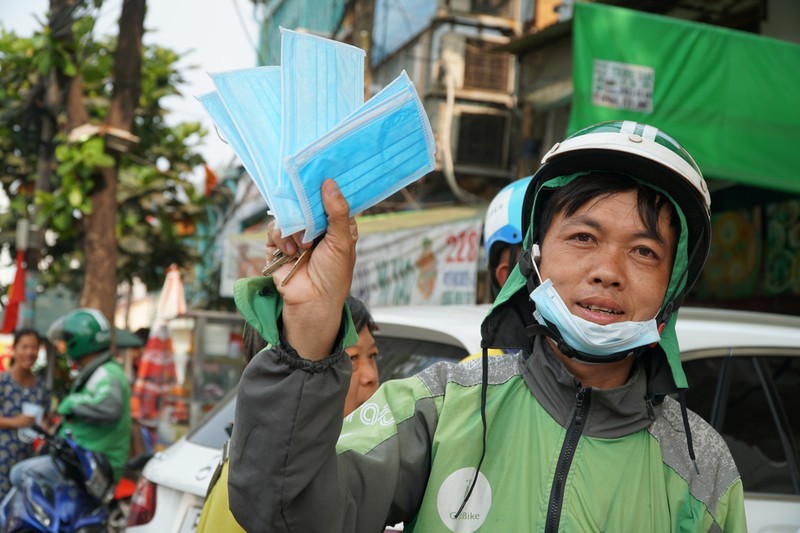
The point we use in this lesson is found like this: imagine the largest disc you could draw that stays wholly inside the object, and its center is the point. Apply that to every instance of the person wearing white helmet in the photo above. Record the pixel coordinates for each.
(502, 232)
(583, 429)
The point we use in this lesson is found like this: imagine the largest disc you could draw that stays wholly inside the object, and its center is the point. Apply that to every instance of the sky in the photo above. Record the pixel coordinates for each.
(213, 35)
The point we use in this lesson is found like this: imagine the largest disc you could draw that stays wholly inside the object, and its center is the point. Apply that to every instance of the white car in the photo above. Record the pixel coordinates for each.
(743, 371)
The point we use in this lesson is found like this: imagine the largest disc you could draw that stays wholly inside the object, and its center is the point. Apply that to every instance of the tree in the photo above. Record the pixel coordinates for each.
(85, 151)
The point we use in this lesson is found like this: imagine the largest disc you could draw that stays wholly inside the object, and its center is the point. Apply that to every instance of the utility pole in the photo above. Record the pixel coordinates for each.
(363, 21)
(29, 235)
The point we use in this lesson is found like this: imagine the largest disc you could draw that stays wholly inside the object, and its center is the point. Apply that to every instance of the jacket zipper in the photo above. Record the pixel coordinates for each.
(583, 400)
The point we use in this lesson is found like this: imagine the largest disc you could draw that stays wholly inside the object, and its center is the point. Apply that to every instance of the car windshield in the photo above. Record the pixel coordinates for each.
(398, 358)
(401, 358)
(214, 429)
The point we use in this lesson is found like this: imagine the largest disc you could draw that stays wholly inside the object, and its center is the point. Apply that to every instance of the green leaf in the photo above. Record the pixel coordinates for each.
(69, 68)
(63, 151)
(104, 160)
(65, 169)
(62, 220)
(44, 64)
(75, 197)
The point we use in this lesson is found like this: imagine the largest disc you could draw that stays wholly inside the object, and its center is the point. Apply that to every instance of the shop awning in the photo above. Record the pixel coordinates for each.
(730, 97)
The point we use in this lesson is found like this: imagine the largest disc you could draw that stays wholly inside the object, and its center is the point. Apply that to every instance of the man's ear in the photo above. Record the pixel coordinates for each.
(501, 273)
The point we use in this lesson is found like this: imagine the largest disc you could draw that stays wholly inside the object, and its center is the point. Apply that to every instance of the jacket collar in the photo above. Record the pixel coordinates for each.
(86, 372)
(614, 412)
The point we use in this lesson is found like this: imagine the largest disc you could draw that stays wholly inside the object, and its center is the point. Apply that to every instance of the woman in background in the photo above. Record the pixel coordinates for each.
(18, 386)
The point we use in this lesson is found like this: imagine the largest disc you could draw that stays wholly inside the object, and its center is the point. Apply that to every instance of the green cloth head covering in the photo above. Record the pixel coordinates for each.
(669, 339)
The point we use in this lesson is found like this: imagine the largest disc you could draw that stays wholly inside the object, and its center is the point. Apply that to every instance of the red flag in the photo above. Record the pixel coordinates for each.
(16, 294)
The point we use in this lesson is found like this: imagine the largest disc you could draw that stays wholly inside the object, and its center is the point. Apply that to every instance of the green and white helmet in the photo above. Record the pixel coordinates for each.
(84, 331)
(645, 153)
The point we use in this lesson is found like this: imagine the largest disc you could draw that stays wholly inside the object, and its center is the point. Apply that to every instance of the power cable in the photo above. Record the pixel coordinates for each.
(259, 58)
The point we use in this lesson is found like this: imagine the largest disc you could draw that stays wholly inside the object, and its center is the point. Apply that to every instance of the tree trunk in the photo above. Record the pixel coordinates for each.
(100, 244)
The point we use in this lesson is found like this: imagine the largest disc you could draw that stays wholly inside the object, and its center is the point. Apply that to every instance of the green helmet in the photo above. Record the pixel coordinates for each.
(84, 331)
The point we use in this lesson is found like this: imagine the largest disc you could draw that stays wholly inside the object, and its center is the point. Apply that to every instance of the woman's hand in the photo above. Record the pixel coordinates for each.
(18, 421)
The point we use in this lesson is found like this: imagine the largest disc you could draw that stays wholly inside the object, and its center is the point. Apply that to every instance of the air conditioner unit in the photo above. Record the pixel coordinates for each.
(480, 136)
(475, 67)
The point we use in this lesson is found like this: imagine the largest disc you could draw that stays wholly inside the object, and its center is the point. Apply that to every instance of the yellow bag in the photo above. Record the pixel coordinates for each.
(216, 516)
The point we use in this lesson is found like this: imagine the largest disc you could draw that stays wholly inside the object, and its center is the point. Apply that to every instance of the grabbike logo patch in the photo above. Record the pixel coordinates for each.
(452, 493)
(371, 414)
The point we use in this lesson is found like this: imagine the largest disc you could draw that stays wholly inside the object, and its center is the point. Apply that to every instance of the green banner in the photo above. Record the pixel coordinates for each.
(730, 97)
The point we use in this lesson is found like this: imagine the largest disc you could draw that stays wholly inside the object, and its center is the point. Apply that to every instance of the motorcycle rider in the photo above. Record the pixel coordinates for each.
(96, 411)
(502, 240)
(502, 232)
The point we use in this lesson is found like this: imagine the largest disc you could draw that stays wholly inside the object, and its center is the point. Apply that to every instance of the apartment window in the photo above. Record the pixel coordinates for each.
(481, 139)
(484, 69)
(492, 7)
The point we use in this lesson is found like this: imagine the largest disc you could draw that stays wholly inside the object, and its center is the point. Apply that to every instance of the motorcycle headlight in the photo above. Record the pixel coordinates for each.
(34, 499)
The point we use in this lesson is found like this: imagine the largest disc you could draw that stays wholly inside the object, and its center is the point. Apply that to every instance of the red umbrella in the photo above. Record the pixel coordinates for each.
(154, 388)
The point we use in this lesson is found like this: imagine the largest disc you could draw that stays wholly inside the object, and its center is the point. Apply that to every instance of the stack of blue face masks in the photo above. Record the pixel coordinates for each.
(295, 125)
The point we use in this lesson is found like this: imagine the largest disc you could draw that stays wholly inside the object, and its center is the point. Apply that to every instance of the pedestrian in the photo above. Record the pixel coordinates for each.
(23, 394)
(216, 515)
(584, 429)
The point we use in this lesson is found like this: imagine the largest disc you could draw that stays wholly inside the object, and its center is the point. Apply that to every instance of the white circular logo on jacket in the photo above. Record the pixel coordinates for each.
(451, 495)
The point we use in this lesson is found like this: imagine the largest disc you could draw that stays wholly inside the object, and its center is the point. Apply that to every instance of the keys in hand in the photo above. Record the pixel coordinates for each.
(279, 259)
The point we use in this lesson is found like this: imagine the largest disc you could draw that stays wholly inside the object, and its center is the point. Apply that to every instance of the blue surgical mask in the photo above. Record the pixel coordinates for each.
(585, 336)
(228, 132)
(252, 98)
(381, 148)
(322, 82)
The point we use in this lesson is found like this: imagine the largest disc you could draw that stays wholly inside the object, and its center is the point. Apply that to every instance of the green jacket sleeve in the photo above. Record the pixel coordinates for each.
(100, 401)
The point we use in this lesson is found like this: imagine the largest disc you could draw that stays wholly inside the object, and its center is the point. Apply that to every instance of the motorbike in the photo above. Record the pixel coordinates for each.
(79, 500)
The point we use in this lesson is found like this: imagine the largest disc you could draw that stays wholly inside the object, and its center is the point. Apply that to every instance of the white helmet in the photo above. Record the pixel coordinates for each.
(503, 224)
(652, 156)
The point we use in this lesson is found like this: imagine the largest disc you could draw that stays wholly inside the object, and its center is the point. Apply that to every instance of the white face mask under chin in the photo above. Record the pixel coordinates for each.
(585, 336)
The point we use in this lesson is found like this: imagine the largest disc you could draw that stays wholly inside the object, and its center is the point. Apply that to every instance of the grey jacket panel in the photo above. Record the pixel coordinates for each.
(714, 461)
(107, 398)
(388, 484)
(614, 413)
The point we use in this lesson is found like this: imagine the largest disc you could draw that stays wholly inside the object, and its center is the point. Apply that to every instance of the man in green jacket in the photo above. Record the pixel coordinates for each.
(97, 409)
(584, 429)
